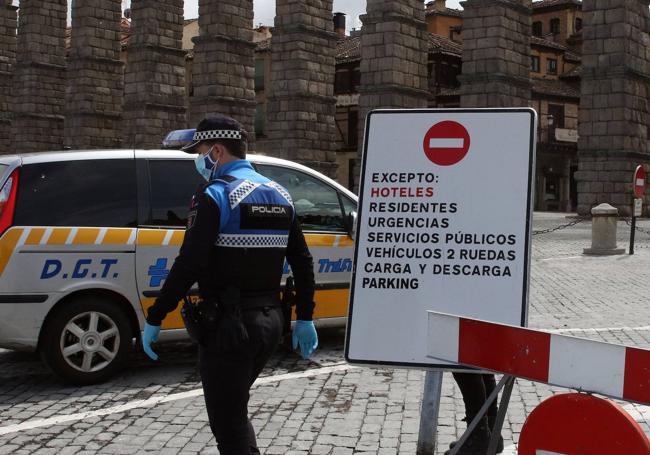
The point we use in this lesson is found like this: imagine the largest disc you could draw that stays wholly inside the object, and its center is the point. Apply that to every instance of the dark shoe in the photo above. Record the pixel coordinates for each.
(491, 422)
(477, 443)
(499, 445)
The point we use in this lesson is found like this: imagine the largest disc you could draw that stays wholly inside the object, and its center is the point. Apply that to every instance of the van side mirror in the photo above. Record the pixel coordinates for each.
(351, 223)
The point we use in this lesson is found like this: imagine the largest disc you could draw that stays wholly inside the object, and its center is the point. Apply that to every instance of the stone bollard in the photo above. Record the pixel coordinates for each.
(603, 231)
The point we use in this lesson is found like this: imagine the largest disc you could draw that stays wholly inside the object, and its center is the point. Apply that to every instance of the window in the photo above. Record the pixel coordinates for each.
(347, 79)
(448, 73)
(352, 163)
(349, 205)
(99, 193)
(170, 202)
(355, 77)
(555, 26)
(551, 66)
(534, 64)
(537, 28)
(342, 82)
(260, 120)
(353, 128)
(556, 113)
(578, 25)
(317, 204)
(259, 74)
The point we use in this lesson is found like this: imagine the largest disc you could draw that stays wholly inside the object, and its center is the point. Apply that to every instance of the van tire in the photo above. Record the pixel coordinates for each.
(87, 340)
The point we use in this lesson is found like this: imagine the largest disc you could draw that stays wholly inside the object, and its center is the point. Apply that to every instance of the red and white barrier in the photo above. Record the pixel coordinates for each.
(612, 370)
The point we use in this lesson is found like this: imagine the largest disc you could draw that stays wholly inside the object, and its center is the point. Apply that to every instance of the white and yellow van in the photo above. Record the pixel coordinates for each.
(87, 239)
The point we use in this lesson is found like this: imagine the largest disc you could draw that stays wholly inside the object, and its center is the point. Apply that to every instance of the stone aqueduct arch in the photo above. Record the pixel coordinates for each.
(614, 115)
(614, 102)
(8, 24)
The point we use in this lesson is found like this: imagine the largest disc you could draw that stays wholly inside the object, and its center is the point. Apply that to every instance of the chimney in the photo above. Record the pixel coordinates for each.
(441, 5)
(339, 24)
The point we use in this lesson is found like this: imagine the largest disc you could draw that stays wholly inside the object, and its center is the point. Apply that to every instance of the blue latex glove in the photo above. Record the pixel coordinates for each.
(304, 335)
(149, 336)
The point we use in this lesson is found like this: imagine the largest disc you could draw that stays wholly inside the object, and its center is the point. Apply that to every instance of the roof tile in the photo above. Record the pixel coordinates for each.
(555, 87)
(548, 3)
(349, 48)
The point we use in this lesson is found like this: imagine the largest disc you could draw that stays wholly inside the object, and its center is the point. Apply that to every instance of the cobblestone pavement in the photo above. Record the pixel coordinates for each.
(324, 406)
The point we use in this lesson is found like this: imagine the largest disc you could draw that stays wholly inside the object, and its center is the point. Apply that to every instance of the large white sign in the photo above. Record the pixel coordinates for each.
(444, 224)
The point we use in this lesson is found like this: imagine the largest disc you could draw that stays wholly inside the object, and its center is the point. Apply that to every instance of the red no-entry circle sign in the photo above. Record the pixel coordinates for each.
(446, 143)
(575, 423)
(639, 181)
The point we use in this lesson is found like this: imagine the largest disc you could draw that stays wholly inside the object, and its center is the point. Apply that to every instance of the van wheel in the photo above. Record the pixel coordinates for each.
(87, 340)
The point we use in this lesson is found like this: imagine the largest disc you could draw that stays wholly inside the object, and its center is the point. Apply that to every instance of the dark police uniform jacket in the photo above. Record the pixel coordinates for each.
(240, 228)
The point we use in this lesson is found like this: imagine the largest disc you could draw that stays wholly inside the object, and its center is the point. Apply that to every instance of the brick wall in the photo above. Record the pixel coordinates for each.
(8, 24)
(301, 103)
(393, 59)
(223, 72)
(613, 118)
(39, 76)
(95, 76)
(496, 53)
(155, 89)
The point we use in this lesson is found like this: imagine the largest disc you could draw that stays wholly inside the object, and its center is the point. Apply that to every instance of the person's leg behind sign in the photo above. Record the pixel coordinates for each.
(475, 389)
(490, 384)
(227, 378)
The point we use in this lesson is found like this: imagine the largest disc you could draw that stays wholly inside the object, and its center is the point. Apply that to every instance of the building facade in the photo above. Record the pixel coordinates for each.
(556, 76)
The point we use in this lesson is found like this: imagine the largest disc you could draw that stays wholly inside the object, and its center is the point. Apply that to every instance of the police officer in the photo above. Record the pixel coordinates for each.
(240, 228)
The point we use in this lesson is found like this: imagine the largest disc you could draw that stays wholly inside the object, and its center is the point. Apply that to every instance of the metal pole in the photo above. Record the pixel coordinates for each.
(501, 416)
(632, 231)
(429, 413)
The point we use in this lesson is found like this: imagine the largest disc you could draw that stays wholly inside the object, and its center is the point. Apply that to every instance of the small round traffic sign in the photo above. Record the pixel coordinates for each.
(639, 181)
(577, 423)
(446, 143)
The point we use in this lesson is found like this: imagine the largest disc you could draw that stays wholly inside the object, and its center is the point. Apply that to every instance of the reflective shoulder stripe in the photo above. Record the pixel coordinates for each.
(280, 189)
(240, 192)
(252, 241)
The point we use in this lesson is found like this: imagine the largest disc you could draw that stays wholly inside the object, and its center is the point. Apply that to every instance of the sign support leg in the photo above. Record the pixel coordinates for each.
(501, 416)
(632, 231)
(505, 380)
(429, 413)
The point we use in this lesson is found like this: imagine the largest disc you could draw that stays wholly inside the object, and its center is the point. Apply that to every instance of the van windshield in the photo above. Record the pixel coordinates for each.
(3, 168)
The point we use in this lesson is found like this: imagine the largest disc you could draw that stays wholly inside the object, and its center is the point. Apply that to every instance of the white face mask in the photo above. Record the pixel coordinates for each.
(204, 164)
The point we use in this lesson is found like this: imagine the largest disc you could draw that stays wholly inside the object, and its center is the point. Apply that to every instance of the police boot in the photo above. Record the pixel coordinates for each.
(477, 443)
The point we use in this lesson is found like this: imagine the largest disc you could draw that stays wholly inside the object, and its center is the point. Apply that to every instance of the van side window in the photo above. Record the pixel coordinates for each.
(77, 193)
(173, 183)
(317, 204)
(349, 205)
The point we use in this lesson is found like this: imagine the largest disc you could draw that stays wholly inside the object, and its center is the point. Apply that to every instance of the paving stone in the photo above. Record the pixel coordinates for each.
(598, 298)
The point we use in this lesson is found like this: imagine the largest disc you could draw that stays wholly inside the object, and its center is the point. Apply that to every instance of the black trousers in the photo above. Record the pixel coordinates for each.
(475, 388)
(228, 377)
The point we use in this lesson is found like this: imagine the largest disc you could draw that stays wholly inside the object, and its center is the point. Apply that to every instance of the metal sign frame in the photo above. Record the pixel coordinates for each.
(526, 240)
